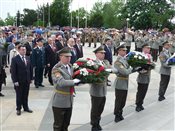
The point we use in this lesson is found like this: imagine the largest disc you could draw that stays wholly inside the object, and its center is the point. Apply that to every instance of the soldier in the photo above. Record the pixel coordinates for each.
(165, 70)
(64, 88)
(94, 37)
(121, 82)
(143, 80)
(98, 92)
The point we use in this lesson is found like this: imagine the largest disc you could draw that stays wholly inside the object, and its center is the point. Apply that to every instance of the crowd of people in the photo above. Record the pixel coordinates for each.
(32, 55)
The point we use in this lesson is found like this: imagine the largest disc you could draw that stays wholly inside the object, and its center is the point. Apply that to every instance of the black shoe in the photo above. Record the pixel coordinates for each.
(121, 117)
(161, 98)
(99, 127)
(94, 128)
(142, 107)
(18, 112)
(28, 110)
(1, 95)
(138, 108)
(51, 83)
(45, 76)
(36, 86)
(41, 85)
(117, 118)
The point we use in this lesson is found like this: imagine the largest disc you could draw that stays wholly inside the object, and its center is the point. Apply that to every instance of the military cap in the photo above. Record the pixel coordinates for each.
(146, 45)
(99, 49)
(40, 39)
(65, 51)
(165, 42)
(122, 46)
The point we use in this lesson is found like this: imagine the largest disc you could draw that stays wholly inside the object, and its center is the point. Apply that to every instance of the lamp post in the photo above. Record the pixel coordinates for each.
(127, 24)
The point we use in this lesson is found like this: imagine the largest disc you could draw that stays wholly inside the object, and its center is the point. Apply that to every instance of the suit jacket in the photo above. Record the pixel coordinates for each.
(63, 82)
(99, 89)
(108, 54)
(164, 68)
(50, 56)
(79, 51)
(19, 71)
(38, 57)
(58, 45)
(121, 81)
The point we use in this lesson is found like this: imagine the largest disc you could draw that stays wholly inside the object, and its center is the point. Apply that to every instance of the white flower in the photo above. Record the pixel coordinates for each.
(75, 66)
(84, 72)
(140, 57)
(135, 56)
(90, 63)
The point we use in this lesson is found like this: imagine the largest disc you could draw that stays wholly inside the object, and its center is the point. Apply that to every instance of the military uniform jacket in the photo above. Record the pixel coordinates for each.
(144, 75)
(121, 81)
(99, 89)
(63, 83)
(164, 68)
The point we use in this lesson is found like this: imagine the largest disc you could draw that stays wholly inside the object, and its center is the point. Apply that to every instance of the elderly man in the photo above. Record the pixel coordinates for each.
(71, 44)
(64, 88)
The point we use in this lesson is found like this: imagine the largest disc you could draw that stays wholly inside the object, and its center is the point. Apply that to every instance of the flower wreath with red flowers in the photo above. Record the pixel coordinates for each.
(89, 71)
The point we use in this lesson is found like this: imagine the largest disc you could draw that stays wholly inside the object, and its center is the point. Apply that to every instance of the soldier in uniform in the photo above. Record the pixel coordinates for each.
(98, 92)
(64, 88)
(165, 70)
(143, 80)
(121, 82)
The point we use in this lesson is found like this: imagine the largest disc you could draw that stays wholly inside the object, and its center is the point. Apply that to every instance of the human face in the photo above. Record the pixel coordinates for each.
(146, 49)
(167, 46)
(122, 52)
(40, 44)
(22, 51)
(65, 59)
(100, 55)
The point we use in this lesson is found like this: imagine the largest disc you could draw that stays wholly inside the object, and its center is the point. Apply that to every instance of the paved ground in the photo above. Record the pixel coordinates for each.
(156, 116)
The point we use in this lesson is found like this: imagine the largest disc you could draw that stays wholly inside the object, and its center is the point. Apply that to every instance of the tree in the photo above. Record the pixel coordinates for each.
(29, 17)
(144, 14)
(2, 23)
(60, 12)
(96, 15)
(81, 13)
(10, 20)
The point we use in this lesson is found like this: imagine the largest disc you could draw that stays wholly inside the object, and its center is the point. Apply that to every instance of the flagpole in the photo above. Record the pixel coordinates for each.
(78, 17)
(71, 14)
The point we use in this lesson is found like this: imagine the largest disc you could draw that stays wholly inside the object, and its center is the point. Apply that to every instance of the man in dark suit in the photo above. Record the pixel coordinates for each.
(38, 61)
(79, 49)
(50, 58)
(21, 74)
(107, 48)
(71, 44)
(29, 45)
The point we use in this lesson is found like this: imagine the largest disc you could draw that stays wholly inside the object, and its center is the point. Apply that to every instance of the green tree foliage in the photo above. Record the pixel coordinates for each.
(10, 20)
(144, 14)
(2, 23)
(60, 12)
(81, 13)
(29, 17)
(96, 15)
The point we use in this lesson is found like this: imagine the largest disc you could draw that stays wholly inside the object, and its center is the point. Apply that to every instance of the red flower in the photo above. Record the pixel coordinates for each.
(76, 73)
(90, 71)
(79, 63)
(89, 59)
(101, 68)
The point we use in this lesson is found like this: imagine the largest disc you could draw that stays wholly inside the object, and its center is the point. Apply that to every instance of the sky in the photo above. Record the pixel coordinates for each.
(12, 6)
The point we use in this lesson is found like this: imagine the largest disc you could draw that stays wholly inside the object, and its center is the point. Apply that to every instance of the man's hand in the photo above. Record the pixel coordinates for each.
(76, 81)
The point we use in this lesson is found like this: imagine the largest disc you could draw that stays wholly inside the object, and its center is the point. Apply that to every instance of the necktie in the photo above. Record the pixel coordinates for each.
(68, 69)
(23, 58)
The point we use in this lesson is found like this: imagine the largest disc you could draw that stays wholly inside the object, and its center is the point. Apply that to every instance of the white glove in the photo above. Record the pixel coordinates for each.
(108, 70)
(76, 81)
(16, 84)
(114, 70)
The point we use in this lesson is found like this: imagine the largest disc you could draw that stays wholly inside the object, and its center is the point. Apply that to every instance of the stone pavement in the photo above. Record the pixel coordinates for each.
(156, 116)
